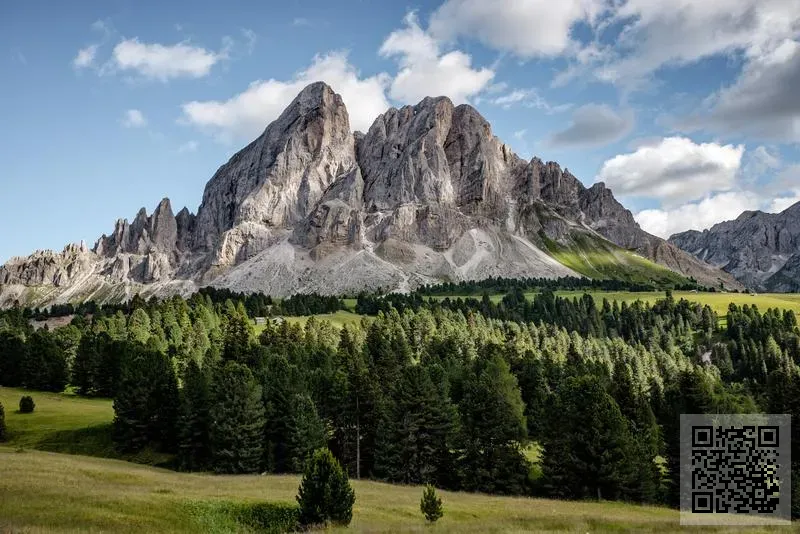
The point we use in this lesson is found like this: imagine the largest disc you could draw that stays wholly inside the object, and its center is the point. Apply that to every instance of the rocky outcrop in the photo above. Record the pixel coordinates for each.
(427, 194)
(762, 250)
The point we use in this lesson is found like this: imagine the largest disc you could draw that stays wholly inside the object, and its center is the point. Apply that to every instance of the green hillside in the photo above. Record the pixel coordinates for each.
(600, 259)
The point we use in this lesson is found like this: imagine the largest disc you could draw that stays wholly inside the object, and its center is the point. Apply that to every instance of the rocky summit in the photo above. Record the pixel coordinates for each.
(762, 250)
(427, 194)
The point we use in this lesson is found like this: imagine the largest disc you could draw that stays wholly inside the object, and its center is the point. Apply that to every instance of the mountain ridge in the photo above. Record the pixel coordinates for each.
(762, 250)
(428, 193)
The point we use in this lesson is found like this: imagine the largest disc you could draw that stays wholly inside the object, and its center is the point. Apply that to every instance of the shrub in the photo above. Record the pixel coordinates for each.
(269, 517)
(431, 504)
(26, 404)
(325, 494)
(2, 423)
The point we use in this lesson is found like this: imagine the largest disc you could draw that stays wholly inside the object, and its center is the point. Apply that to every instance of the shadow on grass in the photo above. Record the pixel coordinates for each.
(97, 441)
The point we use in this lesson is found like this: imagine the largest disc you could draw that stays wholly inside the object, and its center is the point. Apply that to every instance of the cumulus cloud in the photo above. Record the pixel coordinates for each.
(781, 203)
(247, 114)
(594, 125)
(134, 119)
(697, 215)
(426, 71)
(675, 170)
(764, 99)
(85, 57)
(164, 62)
(527, 28)
(684, 31)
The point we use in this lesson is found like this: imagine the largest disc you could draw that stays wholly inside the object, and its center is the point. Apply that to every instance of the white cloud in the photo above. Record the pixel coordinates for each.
(251, 38)
(764, 100)
(425, 71)
(520, 134)
(188, 146)
(529, 98)
(682, 32)
(134, 119)
(675, 170)
(594, 125)
(248, 113)
(163, 62)
(528, 28)
(301, 21)
(781, 203)
(697, 215)
(85, 57)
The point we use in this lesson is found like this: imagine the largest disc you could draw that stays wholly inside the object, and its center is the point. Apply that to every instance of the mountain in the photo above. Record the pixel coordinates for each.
(762, 250)
(427, 194)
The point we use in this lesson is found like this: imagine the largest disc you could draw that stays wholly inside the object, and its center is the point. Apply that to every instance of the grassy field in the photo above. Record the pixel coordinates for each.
(718, 301)
(65, 423)
(48, 492)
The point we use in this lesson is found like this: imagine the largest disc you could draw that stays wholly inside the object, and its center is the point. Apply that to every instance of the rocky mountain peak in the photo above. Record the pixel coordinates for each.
(427, 193)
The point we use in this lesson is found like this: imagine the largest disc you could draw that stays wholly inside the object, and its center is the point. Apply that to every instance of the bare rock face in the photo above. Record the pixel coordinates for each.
(762, 250)
(276, 181)
(427, 194)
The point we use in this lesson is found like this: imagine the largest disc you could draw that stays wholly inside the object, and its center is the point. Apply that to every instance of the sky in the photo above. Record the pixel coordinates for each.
(689, 110)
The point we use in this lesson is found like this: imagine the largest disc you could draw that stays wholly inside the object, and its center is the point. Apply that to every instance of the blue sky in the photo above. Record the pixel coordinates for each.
(688, 110)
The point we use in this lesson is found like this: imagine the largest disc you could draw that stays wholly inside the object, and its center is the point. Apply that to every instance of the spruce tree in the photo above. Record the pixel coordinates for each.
(420, 432)
(492, 428)
(194, 447)
(431, 504)
(236, 420)
(146, 403)
(325, 495)
(306, 433)
(13, 356)
(588, 453)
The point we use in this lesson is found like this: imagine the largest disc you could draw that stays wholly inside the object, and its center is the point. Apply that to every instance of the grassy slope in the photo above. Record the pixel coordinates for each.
(60, 493)
(718, 301)
(600, 259)
(65, 423)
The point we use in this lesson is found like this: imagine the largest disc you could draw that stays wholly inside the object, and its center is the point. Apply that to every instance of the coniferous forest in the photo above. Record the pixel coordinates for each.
(569, 398)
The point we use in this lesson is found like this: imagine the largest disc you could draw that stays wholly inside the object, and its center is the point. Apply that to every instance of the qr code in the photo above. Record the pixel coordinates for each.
(735, 469)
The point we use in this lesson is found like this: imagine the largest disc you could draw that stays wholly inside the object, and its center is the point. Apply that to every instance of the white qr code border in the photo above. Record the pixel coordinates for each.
(719, 486)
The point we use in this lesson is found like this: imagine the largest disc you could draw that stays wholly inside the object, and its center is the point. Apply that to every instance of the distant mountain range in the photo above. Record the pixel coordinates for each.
(762, 250)
(427, 194)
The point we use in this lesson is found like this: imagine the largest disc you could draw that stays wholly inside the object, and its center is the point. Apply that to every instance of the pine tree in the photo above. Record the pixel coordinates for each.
(420, 433)
(236, 420)
(325, 495)
(278, 392)
(431, 504)
(492, 428)
(86, 367)
(588, 453)
(194, 448)
(306, 433)
(13, 356)
(146, 403)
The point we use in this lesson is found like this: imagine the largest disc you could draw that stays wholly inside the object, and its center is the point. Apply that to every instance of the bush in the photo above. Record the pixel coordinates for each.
(431, 504)
(325, 494)
(269, 517)
(2, 423)
(26, 404)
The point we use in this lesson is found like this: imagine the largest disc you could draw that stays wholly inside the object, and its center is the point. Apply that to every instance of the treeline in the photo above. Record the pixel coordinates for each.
(460, 393)
(566, 283)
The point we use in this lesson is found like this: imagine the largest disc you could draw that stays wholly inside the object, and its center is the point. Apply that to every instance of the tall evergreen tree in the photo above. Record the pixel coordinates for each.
(492, 429)
(236, 420)
(307, 432)
(587, 452)
(194, 449)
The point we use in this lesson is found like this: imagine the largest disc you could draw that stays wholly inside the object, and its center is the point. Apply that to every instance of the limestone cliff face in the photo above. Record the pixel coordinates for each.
(760, 249)
(427, 194)
(276, 181)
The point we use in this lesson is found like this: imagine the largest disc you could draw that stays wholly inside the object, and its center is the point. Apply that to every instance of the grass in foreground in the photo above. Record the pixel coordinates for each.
(48, 492)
